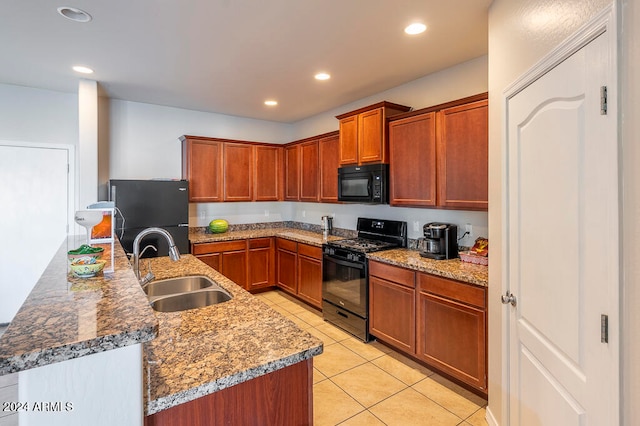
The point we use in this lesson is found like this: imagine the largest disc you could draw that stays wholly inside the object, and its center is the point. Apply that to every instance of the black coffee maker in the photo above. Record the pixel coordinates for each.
(440, 241)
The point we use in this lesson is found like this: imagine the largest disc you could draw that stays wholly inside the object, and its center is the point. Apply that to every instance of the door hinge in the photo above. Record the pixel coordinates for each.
(603, 100)
(604, 328)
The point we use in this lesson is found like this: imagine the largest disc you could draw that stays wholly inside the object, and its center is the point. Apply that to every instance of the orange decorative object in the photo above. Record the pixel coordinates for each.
(103, 229)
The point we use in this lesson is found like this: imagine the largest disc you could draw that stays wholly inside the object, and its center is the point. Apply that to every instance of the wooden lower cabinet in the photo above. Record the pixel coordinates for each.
(452, 328)
(282, 397)
(300, 270)
(229, 258)
(392, 313)
(261, 271)
(287, 265)
(310, 274)
(438, 321)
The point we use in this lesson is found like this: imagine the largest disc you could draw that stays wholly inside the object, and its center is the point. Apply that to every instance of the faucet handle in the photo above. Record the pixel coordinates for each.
(150, 276)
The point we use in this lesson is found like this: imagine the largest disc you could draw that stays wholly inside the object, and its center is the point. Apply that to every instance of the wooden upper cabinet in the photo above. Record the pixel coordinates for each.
(363, 135)
(292, 173)
(238, 165)
(309, 173)
(371, 136)
(266, 172)
(412, 161)
(329, 163)
(463, 169)
(202, 167)
(349, 140)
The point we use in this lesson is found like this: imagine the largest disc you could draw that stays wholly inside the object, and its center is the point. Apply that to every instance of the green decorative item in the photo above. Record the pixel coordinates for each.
(218, 226)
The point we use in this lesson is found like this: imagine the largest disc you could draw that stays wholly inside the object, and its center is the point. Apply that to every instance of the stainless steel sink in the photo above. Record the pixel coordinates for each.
(190, 300)
(177, 285)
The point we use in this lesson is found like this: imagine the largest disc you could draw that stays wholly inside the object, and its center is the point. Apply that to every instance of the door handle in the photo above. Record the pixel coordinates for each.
(508, 298)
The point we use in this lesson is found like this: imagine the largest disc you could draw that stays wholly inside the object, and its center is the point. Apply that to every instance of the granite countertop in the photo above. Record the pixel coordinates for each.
(204, 350)
(453, 268)
(65, 317)
(199, 235)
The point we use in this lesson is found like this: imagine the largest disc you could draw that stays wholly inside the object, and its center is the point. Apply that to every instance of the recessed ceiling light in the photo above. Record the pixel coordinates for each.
(322, 76)
(415, 28)
(271, 103)
(75, 14)
(83, 70)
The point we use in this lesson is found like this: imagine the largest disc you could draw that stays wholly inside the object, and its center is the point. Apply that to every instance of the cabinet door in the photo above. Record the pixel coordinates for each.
(412, 161)
(310, 274)
(392, 314)
(452, 337)
(266, 172)
(309, 173)
(213, 260)
(292, 173)
(463, 166)
(349, 140)
(234, 266)
(202, 167)
(371, 137)
(329, 162)
(287, 265)
(260, 263)
(238, 165)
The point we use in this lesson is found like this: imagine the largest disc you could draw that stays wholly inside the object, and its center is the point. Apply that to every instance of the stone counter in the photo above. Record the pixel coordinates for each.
(65, 317)
(453, 268)
(201, 351)
(199, 235)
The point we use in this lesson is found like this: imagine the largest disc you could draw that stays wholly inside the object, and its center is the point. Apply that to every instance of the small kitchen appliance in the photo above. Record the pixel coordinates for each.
(345, 271)
(441, 241)
(326, 225)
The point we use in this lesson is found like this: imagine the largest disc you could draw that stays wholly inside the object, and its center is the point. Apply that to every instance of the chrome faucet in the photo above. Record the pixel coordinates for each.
(174, 253)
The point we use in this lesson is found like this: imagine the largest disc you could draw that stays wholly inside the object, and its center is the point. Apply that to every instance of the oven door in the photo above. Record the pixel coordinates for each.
(344, 284)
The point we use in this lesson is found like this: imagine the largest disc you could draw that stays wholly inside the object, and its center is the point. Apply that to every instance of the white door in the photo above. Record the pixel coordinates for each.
(34, 215)
(562, 238)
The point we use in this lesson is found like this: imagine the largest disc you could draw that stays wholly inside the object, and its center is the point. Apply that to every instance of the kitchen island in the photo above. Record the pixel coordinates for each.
(202, 351)
(80, 341)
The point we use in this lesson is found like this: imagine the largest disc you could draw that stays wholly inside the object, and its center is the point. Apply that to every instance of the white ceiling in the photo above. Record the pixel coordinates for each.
(228, 56)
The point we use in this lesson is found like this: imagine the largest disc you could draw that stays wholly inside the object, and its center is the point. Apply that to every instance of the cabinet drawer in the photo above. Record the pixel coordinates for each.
(259, 243)
(461, 292)
(204, 248)
(287, 245)
(395, 274)
(310, 251)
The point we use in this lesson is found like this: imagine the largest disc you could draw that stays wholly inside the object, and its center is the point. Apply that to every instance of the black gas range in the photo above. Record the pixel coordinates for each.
(345, 284)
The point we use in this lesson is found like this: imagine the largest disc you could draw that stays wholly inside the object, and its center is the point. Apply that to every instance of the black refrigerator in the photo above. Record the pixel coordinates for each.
(142, 204)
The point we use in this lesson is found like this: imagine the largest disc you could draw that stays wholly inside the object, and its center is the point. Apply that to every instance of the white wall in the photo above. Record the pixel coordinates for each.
(521, 32)
(144, 140)
(36, 115)
(459, 81)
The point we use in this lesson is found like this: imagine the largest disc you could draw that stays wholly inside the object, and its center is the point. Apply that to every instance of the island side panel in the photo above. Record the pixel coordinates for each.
(283, 397)
(101, 389)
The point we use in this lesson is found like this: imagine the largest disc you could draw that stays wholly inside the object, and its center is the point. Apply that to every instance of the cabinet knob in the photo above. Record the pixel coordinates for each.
(508, 298)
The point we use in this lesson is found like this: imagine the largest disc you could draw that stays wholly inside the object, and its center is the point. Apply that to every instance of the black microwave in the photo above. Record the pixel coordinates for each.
(364, 184)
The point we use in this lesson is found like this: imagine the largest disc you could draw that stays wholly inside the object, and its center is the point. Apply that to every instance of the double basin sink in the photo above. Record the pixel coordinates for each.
(182, 293)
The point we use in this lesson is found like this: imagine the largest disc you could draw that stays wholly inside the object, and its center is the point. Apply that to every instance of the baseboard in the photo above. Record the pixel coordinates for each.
(490, 418)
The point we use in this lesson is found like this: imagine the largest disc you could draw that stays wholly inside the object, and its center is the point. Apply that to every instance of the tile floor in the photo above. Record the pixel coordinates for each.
(370, 384)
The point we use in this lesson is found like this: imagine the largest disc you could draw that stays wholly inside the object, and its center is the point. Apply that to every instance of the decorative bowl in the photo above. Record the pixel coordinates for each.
(87, 270)
(85, 255)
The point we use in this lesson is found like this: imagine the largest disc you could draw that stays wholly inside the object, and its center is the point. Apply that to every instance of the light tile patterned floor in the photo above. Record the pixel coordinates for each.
(370, 384)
